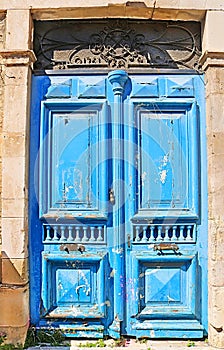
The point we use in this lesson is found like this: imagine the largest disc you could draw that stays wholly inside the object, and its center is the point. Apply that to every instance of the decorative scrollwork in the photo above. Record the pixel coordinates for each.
(116, 44)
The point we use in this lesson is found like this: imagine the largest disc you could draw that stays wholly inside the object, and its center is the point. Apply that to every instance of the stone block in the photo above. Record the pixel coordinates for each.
(16, 75)
(216, 338)
(138, 12)
(212, 232)
(14, 306)
(15, 238)
(215, 112)
(216, 315)
(216, 159)
(218, 149)
(212, 40)
(216, 237)
(215, 205)
(13, 181)
(215, 180)
(167, 4)
(18, 39)
(216, 275)
(15, 335)
(214, 79)
(14, 208)
(164, 14)
(220, 243)
(14, 271)
(13, 144)
(16, 107)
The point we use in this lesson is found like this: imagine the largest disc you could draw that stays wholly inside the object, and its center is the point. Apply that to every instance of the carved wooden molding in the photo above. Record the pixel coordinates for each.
(112, 44)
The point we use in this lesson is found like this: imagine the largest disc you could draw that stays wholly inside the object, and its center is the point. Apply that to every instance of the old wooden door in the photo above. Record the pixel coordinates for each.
(118, 205)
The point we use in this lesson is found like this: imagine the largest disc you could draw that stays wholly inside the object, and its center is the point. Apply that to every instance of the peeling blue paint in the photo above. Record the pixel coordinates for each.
(120, 240)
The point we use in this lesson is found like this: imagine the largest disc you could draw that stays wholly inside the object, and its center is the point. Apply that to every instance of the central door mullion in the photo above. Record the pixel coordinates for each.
(118, 80)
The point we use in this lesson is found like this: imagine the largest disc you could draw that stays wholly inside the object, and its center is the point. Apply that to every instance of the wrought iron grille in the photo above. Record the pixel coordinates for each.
(111, 44)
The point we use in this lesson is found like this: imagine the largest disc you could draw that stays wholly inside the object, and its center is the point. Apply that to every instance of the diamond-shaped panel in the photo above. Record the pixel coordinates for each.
(61, 89)
(94, 89)
(163, 285)
(73, 286)
(180, 87)
(145, 88)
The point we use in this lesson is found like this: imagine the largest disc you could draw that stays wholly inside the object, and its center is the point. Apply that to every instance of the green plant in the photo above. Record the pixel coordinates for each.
(98, 344)
(190, 343)
(4, 346)
(2, 337)
(87, 345)
(119, 342)
(142, 340)
(54, 337)
(11, 347)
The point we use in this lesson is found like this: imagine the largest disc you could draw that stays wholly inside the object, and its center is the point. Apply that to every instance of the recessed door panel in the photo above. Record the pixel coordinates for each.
(72, 155)
(73, 287)
(74, 160)
(163, 162)
(165, 158)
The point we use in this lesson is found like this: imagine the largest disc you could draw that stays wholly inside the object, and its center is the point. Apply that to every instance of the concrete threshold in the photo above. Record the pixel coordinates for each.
(131, 345)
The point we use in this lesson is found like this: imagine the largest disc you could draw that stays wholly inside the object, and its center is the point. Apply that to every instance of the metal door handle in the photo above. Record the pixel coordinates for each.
(111, 196)
(166, 246)
(129, 241)
(72, 247)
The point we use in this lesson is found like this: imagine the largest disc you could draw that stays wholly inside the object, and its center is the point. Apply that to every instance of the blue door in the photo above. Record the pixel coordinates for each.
(118, 225)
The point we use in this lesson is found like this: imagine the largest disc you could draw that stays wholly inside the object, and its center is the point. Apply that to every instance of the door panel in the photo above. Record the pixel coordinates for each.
(163, 163)
(121, 230)
(72, 155)
(77, 287)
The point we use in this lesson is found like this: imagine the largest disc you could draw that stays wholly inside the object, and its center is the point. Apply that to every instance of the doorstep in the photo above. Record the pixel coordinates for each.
(131, 345)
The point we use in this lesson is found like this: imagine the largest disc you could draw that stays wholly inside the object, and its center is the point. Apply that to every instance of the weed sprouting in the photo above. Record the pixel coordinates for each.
(53, 337)
(190, 343)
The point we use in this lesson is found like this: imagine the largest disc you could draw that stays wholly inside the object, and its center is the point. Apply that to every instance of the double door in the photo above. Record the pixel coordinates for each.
(118, 205)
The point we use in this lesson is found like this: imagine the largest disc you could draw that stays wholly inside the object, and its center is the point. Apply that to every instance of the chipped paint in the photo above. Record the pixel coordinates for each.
(163, 175)
(152, 333)
(162, 171)
(136, 276)
(118, 251)
(151, 272)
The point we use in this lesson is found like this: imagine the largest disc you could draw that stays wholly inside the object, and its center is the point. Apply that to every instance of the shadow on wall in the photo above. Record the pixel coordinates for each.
(8, 272)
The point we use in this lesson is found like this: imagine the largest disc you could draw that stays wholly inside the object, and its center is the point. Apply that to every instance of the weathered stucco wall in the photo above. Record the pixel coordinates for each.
(16, 59)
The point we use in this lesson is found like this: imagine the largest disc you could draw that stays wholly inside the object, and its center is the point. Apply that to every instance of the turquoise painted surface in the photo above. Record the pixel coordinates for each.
(118, 203)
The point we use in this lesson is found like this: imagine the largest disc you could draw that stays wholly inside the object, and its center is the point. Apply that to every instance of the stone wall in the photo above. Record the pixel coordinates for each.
(16, 75)
(213, 65)
(2, 40)
(215, 136)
